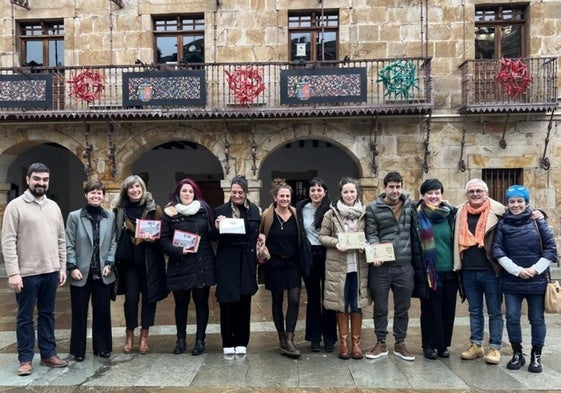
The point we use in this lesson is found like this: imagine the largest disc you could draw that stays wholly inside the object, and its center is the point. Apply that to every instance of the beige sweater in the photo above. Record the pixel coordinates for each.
(33, 237)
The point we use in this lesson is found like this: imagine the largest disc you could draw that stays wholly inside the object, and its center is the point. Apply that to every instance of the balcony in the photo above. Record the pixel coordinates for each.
(218, 90)
(509, 85)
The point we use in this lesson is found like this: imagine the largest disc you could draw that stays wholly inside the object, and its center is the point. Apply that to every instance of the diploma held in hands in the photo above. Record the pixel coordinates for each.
(186, 240)
(379, 252)
(351, 240)
(233, 226)
(147, 229)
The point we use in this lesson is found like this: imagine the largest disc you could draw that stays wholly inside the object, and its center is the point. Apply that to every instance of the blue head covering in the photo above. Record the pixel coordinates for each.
(517, 191)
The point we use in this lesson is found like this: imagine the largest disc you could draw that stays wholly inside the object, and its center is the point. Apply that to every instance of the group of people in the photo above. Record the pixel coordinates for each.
(480, 249)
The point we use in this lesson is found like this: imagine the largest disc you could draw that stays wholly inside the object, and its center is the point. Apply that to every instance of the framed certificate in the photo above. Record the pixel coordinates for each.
(186, 240)
(351, 240)
(234, 226)
(147, 229)
(379, 252)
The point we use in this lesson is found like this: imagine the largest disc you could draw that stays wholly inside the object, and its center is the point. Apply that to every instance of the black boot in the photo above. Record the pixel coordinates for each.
(517, 360)
(535, 365)
(199, 347)
(179, 346)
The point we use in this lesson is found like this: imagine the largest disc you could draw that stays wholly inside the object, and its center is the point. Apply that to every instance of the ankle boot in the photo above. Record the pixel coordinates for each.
(180, 344)
(535, 365)
(143, 347)
(199, 347)
(517, 360)
(282, 342)
(343, 325)
(129, 341)
(291, 350)
(356, 328)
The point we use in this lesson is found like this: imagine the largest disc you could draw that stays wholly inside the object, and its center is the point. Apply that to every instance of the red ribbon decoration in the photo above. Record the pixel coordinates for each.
(514, 76)
(246, 84)
(87, 85)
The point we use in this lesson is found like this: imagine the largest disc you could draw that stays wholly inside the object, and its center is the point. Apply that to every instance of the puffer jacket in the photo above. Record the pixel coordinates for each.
(405, 235)
(192, 270)
(336, 264)
(524, 241)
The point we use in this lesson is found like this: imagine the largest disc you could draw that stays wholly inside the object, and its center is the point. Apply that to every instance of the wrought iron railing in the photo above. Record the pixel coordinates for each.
(509, 85)
(390, 86)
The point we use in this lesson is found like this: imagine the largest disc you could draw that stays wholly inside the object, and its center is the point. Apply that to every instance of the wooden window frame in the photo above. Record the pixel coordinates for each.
(315, 23)
(178, 26)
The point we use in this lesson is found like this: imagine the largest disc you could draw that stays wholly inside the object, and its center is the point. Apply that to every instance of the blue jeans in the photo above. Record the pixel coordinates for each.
(513, 303)
(476, 285)
(37, 290)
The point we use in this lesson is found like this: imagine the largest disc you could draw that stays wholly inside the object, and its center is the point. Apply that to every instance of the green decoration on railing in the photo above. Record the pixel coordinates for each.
(399, 78)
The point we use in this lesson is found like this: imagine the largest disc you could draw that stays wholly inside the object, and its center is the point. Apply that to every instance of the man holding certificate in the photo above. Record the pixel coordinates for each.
(392, 219)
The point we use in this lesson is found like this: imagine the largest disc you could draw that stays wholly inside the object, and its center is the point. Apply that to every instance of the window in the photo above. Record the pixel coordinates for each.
(499, 180)
(179, 39)
(313, 35)
(42, 43)
(500, 31)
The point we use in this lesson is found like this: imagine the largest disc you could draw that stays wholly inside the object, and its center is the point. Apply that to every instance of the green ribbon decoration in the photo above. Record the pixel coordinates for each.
(399, 78)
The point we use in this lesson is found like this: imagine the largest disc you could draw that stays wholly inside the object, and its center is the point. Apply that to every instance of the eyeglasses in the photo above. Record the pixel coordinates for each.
(478, 191)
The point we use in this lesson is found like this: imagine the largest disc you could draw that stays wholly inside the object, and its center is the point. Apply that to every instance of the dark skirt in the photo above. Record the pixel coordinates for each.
(282, 273)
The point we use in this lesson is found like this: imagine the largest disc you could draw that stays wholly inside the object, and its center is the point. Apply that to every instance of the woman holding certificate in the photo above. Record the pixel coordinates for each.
(346, 271)
(320, 323)
(186, 231)
(236, 268)
(282, 271)
(140, 260)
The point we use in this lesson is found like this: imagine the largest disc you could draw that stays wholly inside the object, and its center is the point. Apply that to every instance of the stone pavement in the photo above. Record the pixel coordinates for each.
(263, 369)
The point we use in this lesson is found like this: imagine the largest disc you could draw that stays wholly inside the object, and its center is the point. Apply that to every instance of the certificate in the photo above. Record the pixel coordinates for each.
(351, 240)
(186, 240)
(379, 252)
(234, 226)
(147, 229)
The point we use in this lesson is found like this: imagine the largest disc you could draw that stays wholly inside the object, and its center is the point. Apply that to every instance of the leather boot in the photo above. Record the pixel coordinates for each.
(356, 329)
(291, 348)
(129, 341)
(535, 365)
(180, 344)
(343, 325)
(282, 342)
(199, 347)
(143, 347)
(517, 360)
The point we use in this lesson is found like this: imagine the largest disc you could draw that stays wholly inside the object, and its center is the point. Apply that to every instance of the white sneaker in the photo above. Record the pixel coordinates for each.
(229, 351)
(241, 350)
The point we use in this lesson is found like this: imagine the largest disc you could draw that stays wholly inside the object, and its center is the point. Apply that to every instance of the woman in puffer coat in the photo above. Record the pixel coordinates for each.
(525, 248)
(190, 270)
(346, 271)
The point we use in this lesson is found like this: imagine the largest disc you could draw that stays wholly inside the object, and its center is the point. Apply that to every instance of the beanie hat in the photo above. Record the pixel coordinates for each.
(517, 191)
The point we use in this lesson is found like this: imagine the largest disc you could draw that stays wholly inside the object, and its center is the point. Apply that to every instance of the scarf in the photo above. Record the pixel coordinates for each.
(465, 237)
(190, 209)
(236, 210)
(350, 215)
(427, 215)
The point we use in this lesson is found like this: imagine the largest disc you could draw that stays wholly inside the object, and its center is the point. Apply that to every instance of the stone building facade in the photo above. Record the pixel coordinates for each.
(442, 135)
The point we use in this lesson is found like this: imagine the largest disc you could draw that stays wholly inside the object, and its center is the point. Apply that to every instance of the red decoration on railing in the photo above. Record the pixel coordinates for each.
(514, 76)
(246, 84)
(87, 85)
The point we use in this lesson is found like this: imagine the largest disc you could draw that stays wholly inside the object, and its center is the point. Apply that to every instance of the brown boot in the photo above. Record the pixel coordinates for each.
(356, 328)
(343, 325)
(129, 341)
(143, 347)
(291, 350)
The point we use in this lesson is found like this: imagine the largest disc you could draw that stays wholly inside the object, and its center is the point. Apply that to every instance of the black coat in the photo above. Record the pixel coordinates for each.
(236, 265)
(187, 271)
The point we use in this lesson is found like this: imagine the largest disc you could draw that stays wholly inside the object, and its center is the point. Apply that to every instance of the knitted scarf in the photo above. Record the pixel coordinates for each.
(465, 237)
(427, 215)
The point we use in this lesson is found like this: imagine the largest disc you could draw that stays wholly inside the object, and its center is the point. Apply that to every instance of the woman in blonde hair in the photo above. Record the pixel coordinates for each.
(282, 270)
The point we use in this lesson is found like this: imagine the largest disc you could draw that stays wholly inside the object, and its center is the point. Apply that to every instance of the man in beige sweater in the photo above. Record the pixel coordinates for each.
(34, 249)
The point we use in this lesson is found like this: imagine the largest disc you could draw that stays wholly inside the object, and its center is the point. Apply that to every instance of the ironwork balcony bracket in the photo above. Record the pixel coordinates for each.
(544, 162)
(111, 155)
(502, 142)
(461, 162)
(87, 153)
(253, 148)
(426, 143)
(118, 2)
(21, 3)
(226, 148)
(374, 144)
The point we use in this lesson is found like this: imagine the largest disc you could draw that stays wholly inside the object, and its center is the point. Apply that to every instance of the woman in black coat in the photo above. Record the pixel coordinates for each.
(140, 262)
(236, 268)
(190, 268)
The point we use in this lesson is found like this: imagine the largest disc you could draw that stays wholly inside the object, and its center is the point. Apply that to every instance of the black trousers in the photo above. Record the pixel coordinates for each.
(182, 299)
(235, 322)
(100, 295)
(135, 276)
(438, 313)
(319, 321)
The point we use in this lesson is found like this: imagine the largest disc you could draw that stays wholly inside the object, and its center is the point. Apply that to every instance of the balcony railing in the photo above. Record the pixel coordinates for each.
(387, 86)
(509, 85)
